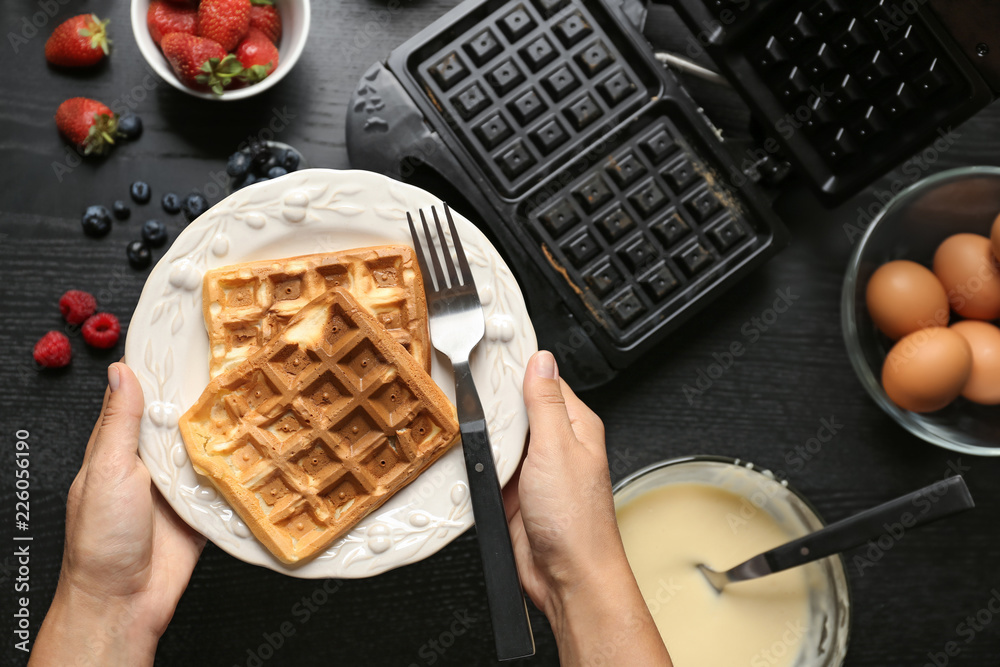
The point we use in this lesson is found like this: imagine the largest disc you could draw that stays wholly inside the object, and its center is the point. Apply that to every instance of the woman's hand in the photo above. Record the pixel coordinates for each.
(127, 557)
(562, 523)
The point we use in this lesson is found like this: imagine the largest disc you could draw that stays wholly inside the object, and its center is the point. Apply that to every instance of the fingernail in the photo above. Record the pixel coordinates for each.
(545, 365)
(114, 378)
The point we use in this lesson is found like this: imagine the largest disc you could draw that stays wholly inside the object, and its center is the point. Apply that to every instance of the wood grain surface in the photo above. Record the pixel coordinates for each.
(773, 398)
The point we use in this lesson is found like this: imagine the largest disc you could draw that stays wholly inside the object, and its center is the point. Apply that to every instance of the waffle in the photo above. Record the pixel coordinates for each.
(318, 428)
(247, 304)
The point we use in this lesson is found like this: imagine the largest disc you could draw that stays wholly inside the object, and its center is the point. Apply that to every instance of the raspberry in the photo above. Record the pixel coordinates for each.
(53, 350)
(101, 330)
(77, 306)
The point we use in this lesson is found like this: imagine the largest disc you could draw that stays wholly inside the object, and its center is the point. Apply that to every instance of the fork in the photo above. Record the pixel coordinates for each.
(457, 325)
(941, 499)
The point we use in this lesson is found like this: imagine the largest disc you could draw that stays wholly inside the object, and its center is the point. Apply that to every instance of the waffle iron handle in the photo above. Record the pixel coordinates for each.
(388, 134)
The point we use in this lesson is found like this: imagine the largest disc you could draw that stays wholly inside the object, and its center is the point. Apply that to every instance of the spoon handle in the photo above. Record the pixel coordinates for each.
(893, 518)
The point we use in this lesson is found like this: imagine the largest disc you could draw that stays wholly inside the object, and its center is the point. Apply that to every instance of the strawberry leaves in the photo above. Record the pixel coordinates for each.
(217, 74)
(97, 31)
(255, 73)
(101, 135)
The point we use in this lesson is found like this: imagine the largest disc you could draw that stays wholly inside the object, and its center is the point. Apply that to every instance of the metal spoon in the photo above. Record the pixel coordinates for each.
(936, 501)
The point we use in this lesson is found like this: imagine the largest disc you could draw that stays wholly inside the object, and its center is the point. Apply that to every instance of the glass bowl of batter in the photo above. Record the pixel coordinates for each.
(721, 511)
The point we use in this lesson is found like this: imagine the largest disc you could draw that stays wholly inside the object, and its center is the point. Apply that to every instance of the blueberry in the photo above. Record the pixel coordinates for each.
(260, 153)
(138, 255)
(171, 203)
(275, 172)
(262, 179)
(140, 192)
(238, 164)
(255, 146)
(121, 210)
(291, 161)
(240, 183)
(96, 221)
(194, 205)
(154, 233)
(262, 168)
(130, 126)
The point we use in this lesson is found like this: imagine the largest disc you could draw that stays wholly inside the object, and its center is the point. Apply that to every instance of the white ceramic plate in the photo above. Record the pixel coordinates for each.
(310, 211)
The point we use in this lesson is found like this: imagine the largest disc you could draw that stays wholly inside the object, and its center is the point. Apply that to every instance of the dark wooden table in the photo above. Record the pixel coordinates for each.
(793, 377)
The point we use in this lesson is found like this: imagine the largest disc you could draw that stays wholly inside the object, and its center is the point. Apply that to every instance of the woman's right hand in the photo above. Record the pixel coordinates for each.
(566, 542)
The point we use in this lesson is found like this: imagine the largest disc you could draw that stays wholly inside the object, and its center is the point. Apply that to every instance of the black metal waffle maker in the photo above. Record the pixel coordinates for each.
(606, 188)
(851, 88)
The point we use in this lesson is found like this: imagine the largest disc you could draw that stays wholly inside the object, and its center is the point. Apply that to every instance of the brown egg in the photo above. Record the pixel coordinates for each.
(903, 296)
(995, 237)
(966, 267)
(927, 369)
(983, 385)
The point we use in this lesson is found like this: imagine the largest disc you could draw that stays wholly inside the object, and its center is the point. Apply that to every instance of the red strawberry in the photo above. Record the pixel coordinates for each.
(164, 18)
(224, 21)
(78, 42)
(87, 123)
(265, 17)
(258, 55)
(200, 62)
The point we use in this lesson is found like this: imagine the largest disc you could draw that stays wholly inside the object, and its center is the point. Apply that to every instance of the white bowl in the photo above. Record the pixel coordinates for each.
(295, 16)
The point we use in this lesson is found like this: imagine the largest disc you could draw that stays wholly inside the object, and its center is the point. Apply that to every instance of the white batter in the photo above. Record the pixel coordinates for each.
(760, 623)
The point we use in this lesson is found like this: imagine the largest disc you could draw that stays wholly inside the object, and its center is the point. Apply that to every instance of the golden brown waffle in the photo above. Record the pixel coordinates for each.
(247, 304)
(318, 428)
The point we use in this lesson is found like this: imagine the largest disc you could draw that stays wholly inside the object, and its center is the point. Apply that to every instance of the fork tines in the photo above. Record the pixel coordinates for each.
(433, 251)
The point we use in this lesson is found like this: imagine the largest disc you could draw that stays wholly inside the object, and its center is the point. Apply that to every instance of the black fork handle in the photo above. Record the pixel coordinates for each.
(894, 518)
(511, 626)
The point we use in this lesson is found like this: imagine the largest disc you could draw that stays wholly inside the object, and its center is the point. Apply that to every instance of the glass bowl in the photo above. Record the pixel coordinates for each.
(825, 642)
(911, 226)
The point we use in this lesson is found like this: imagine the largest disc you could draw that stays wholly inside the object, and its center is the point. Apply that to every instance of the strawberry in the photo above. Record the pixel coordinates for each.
(87, 123)
(164, 18)
(224, 21)
(200, 62)
(81, 41)
(265, 17)
(258, 55)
